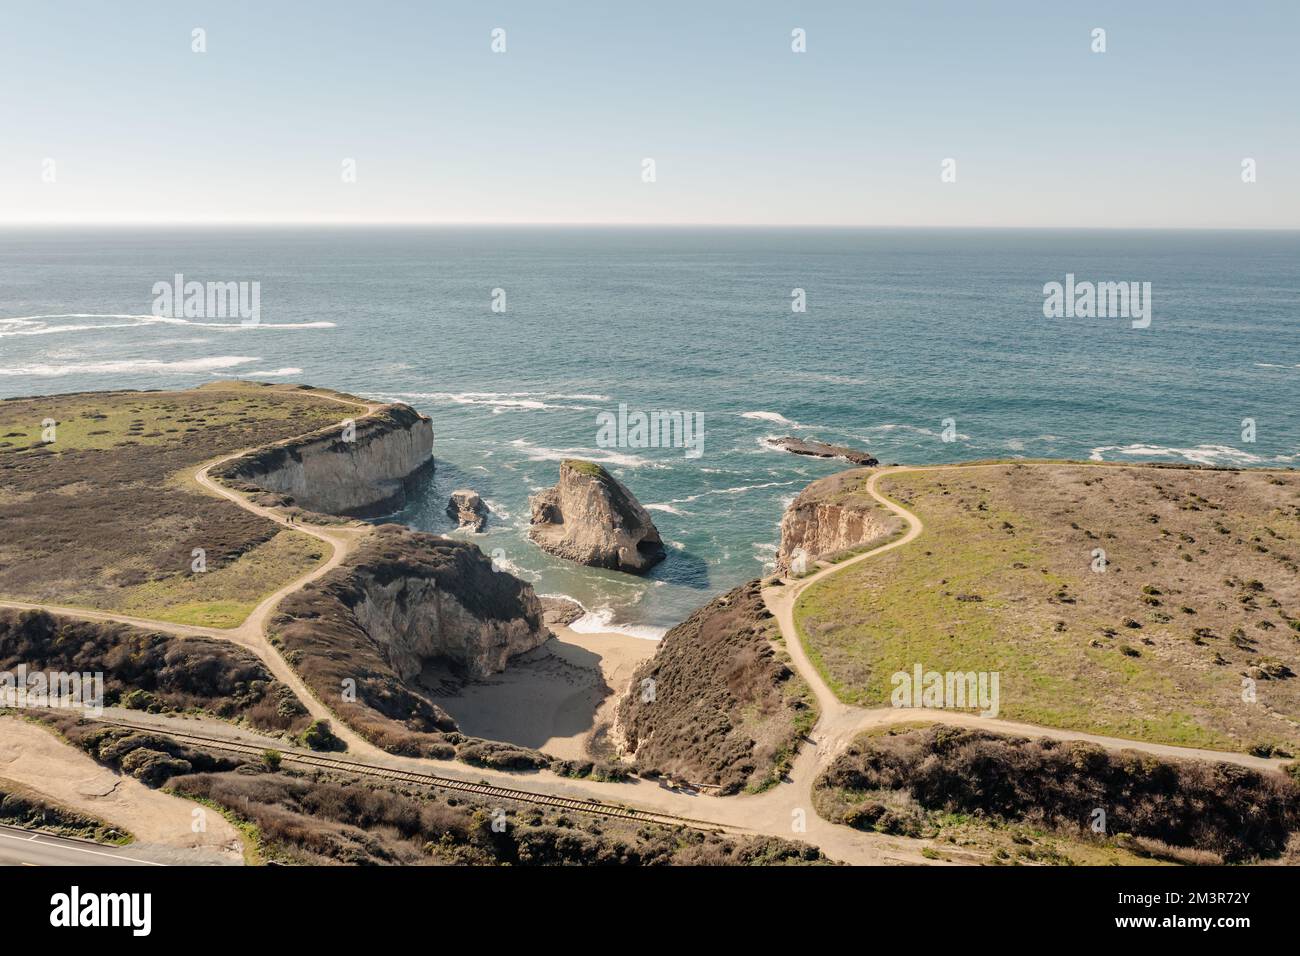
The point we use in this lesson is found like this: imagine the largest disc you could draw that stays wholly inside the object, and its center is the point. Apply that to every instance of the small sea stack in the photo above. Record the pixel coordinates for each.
(468, 509)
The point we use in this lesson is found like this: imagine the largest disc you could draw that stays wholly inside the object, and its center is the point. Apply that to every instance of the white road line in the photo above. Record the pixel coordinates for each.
(80, 849)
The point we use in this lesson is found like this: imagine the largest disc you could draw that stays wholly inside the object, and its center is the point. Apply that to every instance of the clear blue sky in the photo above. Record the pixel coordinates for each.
(1045, 132)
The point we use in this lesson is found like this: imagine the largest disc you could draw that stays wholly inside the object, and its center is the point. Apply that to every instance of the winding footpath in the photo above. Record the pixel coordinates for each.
(785, 810)
(841, 722)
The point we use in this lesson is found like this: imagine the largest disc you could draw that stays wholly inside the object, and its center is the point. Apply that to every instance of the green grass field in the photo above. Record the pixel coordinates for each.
(1001, 580)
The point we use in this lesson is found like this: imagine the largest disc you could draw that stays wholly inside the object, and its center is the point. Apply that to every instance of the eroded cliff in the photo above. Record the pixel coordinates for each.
(363, 469)
(361, 635)
(832, 515)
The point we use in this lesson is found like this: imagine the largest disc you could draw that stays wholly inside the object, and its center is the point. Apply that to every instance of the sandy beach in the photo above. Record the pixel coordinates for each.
(553, 697)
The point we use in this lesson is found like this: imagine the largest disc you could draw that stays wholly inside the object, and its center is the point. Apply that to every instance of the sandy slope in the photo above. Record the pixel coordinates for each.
(36, 758)
(553, 697)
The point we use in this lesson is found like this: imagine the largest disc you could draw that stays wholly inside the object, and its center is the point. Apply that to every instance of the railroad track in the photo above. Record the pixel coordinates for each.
(323, 762)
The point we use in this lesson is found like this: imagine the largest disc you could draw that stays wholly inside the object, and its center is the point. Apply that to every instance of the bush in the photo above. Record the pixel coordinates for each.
(138, 699)
(501, 756)
(1226, 809)
(320, 736)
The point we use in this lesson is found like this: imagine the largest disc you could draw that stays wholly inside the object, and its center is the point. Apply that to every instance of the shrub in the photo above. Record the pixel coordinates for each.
(1226, 809)
(320, 736)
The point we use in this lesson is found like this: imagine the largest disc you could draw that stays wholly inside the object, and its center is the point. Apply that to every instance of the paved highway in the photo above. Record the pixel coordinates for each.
(28, 848)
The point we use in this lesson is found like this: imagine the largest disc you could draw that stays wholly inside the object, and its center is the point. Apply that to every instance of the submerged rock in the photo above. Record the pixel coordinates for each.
(820, 449)
(591, 518)
(468, 509)
(559, 611)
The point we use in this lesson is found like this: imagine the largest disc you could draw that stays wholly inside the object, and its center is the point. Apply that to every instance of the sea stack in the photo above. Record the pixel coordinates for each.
(590, 517)
(468, 509)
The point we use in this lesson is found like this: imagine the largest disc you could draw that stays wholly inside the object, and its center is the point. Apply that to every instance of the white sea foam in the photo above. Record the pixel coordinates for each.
(775, 417)
(51, 324)
(496, 508)
(130, 366)
(737, 490)
(917, 429)
(600, 621)
(823, 377)
(666, 508)
(503, 563)
(271, 373)
(1199, 455)
(603, 456)
(501, 402)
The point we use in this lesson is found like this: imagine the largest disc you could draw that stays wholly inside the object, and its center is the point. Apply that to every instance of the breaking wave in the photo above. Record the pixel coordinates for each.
(130, 366)
(42, 324)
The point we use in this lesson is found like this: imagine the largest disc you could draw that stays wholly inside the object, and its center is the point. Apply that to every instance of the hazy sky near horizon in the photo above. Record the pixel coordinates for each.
(1045, 132)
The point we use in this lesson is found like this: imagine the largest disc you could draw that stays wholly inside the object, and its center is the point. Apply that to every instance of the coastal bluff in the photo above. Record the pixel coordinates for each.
(402, 600)
(719, 703)
(832, 515)
(362, 469)
(590, 517)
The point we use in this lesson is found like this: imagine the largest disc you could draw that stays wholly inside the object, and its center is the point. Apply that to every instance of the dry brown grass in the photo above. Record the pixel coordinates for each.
(145, 670)
(899, 782)
(106, 516)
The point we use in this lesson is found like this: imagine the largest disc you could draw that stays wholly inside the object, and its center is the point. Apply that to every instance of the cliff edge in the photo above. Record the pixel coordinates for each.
(361, 635)
(362, 469)
(832, 515)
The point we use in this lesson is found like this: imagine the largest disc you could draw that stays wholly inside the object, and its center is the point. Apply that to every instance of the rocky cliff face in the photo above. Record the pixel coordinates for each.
(419, 596)
(591, 518)
(363, 474)
(832, 514)
(446, 602)
(404, 598)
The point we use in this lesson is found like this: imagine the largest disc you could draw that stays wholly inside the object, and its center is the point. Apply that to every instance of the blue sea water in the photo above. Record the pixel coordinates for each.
(903, 329)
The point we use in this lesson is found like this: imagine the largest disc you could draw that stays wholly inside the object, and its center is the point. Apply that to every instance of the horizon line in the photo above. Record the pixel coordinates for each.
(412, 224)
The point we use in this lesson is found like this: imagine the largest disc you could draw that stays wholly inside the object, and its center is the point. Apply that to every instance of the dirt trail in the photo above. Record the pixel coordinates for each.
(841, 722)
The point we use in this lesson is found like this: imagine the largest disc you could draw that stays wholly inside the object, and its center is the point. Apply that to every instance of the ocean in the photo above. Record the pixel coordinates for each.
(909, 338)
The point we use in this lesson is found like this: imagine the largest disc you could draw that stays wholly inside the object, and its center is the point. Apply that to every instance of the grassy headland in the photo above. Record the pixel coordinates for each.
(1198, 599)
(107, 516)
